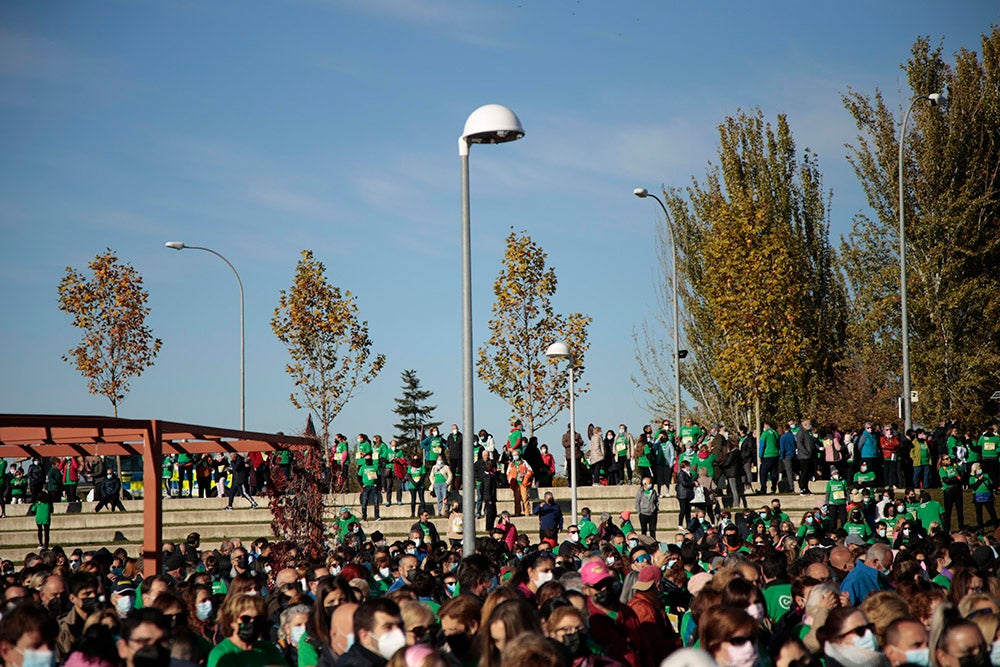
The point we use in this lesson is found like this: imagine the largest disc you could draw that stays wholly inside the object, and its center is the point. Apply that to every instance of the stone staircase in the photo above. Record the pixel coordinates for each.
(82, 527)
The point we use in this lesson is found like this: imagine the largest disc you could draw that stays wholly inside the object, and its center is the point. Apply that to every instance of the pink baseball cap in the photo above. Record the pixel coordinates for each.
(594, 573)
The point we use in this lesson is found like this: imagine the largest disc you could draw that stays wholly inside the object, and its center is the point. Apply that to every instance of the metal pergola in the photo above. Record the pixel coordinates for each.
(152, 439)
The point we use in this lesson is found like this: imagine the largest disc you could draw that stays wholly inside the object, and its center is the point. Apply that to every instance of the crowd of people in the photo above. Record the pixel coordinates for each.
(873, 575)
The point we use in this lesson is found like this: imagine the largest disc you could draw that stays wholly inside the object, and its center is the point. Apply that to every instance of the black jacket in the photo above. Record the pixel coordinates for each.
(359, 656)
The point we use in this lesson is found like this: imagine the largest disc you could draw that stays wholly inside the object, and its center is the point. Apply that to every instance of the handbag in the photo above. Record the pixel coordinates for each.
(699, 495)
(982, 497)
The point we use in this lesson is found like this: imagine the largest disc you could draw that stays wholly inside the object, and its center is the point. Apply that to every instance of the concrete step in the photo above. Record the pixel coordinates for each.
(86, 529)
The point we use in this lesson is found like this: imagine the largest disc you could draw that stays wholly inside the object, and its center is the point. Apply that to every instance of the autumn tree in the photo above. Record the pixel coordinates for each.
(329, 345)
(414, 414)
(296, 499)
(110, 308)
(512, 362)
(762, 302)
(951, 195)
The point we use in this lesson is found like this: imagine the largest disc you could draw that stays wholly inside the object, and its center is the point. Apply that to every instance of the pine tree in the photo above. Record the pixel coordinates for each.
(415, 416)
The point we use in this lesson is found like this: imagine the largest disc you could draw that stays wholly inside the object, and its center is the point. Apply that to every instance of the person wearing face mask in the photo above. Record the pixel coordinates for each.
(612, 624)
(981, 487)
(28, 637)
(532, 573)
(848, 640)
(647, 504)
(244, 619)
(341, 634)
(550, 516)
(868, 576)
(888, 444)
(729, 635)
(519, 475)
(83, 588)
(108, 492)
(957, 641)
(378, 634)
(654, 626)
(856, 525)
(906, 643)
(123, 597)
(291, 630)
(454, 445)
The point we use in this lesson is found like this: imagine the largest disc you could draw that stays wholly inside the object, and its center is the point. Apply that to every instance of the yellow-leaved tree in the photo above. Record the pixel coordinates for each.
(110, 307)
(512, 362)
(329, 345)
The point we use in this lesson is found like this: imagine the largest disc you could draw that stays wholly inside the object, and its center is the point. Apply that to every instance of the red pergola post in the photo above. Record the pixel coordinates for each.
(152, 500)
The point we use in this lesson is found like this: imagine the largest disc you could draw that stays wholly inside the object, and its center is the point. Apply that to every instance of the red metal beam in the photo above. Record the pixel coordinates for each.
(152, 502)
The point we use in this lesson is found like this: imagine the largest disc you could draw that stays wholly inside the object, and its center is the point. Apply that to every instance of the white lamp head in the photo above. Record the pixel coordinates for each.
(936, 99)
(175, 245)
(492, 124)
(641, 192)
(558, 350)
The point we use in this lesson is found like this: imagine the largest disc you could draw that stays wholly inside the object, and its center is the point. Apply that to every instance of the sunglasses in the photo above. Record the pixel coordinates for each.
(246, 618)
(740, 640)
(860, 630)
(422, 631)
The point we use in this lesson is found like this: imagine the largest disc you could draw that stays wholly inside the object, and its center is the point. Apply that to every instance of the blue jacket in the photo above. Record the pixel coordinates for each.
(869, 446)
(786, 445)
(862, 581)
(549, 516)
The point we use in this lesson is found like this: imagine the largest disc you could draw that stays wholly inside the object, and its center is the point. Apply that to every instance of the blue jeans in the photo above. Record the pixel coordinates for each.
(369, 496)
(440, 495)
(922, 473)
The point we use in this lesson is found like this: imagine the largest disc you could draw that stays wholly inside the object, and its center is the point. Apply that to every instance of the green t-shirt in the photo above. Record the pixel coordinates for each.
(836, 492)
(769, 439)
(777, 600)
(439, 477)
(587, 528)
(43, 513)
(930, 512)
(417, 476)
(307, 654)
(862, 530)
(368, 474)
(690, 435)
(621, 444)
(435, 448)
(708, 463)
(514, 438)
(981, 484)
(690, 457)
(863, 479)
(644, 456)
(950, 477)
(284, 457)
(924, 453)
(263, 654)
(952, 446)
(990, 446)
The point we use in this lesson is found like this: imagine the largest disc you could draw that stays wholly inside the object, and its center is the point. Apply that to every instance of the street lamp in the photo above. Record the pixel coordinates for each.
(642, 193)
(934, 99)
(558, 351)
(178, 245)
(489, 124)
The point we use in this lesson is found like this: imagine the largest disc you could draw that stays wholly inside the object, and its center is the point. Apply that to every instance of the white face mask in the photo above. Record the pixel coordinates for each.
(756, 611)
(203, 610)
(383, 572)
(542, 578)
(744, 655)
(922, 656)
(38, 658)
(296, 635)
(124, 605)
(574, 537)
(866, 641)
(390, 642)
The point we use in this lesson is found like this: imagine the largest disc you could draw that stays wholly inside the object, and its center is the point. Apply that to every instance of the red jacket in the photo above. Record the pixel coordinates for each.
(888, 446)
(619, 638)
(657, 636)
(70, 470)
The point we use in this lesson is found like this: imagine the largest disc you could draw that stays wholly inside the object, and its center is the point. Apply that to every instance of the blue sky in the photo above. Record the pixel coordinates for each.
(262, 128)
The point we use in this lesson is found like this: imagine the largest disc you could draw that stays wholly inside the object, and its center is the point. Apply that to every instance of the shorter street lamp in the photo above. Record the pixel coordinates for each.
(559, 351)
(178, 245)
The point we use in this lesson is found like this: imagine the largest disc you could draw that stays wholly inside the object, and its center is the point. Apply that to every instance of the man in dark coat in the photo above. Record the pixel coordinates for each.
(378, 631)
(109, 491)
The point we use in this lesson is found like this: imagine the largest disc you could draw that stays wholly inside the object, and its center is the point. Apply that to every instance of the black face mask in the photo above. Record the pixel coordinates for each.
(242, 563)
(330, 608)
(90, 605)
(459, 644)
(153, 655)
(733, 540)
(249, 632)
(56, 605)
(980, 660)
(574, 641)
(608, 597)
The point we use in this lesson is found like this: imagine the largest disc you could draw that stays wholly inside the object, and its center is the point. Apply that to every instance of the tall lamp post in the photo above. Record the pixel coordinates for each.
(178, 245)
(934, 99)
(558, 351)
(489, 124)
(642, 193)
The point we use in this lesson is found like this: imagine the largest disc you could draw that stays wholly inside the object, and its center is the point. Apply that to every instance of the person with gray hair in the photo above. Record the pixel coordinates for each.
(805, 452)
(291, 629)
(822, 598)
(869, 576)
